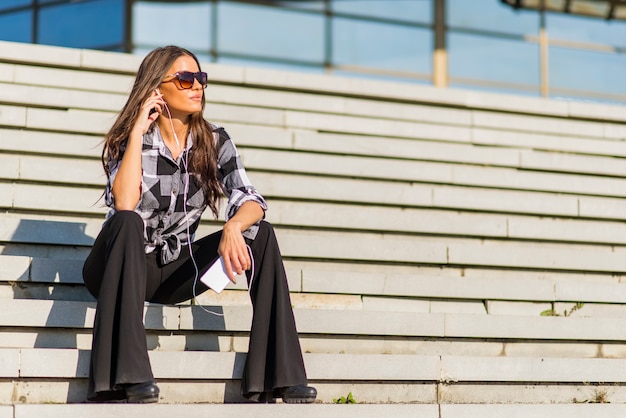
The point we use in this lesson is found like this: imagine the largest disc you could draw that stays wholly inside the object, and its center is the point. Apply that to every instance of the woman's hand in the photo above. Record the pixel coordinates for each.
(233, 249)
(232, 245)
(149, 112)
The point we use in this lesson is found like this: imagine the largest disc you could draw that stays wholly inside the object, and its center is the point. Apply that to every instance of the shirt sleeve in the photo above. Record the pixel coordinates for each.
(236, 185)
(112, 166)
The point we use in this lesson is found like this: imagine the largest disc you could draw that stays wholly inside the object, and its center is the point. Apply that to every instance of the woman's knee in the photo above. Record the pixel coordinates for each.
(125, 219)
(266, 228)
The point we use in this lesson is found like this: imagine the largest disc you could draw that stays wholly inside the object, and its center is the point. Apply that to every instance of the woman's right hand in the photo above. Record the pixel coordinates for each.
(150, 111)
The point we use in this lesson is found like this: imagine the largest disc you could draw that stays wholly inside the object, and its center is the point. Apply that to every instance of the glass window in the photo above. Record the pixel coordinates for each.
(382, 45)
(606, 75)
(17, 26)
(496, 59)
(202, 57)
(270, 32)
(396, 78)
(491, 15)
(586, 29)
(94, 24)
(419, 11)
(10, 4)
(242, 62)
(183, 24)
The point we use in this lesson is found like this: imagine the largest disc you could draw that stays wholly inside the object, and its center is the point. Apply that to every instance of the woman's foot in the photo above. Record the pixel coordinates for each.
(109, 396)
(299, 394)
(146, 392)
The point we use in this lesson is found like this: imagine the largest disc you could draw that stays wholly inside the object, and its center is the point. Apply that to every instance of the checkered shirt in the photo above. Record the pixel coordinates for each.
(171, 206)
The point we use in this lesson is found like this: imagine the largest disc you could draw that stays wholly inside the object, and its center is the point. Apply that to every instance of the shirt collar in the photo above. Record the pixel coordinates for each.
(156, 142)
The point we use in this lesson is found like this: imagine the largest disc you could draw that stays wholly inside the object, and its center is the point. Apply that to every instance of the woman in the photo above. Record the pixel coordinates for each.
(165, 165)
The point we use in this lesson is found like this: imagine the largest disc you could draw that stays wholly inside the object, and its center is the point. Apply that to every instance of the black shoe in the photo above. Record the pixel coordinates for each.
(109, 396)
(299, 394)
(146, 392)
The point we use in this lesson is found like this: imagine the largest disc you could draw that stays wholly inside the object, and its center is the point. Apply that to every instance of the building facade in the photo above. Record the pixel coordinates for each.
(564, 49)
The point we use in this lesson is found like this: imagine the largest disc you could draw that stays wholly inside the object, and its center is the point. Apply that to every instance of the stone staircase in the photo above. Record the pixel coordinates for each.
(450, 253)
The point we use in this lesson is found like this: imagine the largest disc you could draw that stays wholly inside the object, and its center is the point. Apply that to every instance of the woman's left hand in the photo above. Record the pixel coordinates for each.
(234, 250)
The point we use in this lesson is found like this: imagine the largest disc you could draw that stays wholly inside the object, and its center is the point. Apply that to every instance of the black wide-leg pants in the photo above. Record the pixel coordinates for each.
(121, 277)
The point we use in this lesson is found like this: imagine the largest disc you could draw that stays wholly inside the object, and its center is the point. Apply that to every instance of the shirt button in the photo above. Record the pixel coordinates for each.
(175, 191)
(169, 213)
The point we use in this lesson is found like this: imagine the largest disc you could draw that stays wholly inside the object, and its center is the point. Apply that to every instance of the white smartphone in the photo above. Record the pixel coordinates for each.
(216, 277)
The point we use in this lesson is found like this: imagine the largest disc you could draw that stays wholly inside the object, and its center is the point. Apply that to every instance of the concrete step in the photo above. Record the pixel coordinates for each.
(430, 172)
(18, 314)
(88, 172)
(46, 56)
(82, 199)
(59, 376)
(223, 411)
(350, 216)
(318, 410)
(542, 124)
(406, 248)
(36, 274)
(38, 261)
(296, 140)
(493, 154)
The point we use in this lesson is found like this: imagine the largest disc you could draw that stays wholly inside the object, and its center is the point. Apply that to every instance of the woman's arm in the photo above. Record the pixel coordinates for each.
(126, 188)
(232, 245)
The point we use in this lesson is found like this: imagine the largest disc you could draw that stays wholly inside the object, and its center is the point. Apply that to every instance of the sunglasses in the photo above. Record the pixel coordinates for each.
(186, 79)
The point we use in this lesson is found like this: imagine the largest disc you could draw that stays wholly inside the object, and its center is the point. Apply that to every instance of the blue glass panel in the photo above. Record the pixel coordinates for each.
(587, 70)
(586, 29)
(496, 59)
(183, 24)
(491, 15)
(420, 11)
(92, 24)
(17, 26)
(270, 32)
(10, 4)
(240, 62)
(381, 77)
(203, 58)
(382, 45)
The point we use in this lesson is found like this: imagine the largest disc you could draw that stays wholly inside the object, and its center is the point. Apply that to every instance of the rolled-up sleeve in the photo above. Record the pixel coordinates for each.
(236, 185)
(112, 167)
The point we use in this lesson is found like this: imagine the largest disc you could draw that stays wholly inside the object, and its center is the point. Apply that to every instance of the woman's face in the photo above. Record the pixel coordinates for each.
(182, 102)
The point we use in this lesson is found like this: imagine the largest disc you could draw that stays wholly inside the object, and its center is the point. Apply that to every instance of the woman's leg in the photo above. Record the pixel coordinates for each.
(274, 358)
(274, 361)
(115, 273)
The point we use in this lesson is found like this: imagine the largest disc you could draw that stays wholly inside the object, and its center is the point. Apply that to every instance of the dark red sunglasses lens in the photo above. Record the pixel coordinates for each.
(186, 79)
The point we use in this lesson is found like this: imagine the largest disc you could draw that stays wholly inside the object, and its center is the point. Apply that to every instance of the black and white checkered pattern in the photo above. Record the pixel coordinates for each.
(168, 210)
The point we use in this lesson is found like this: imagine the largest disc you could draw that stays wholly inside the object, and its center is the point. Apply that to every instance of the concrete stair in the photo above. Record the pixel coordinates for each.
(317, 410)
(449, 253)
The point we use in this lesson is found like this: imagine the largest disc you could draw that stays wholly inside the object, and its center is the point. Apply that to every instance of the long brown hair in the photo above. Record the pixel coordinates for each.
(203, 157)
